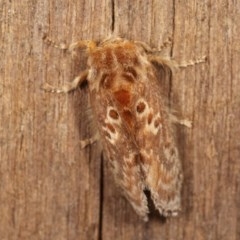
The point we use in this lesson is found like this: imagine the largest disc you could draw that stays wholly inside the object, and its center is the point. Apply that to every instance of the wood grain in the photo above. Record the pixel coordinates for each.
(52, 189)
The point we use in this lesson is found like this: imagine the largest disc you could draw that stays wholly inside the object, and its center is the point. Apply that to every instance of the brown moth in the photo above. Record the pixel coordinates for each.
(133, 122)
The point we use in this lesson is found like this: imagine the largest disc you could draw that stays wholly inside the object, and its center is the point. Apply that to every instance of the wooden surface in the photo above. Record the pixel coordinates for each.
(49, 187)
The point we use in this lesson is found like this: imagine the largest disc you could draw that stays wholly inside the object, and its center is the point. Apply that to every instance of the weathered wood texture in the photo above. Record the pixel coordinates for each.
(49, 187)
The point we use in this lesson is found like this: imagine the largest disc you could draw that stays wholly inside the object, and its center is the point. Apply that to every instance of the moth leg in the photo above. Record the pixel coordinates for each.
(69, 86)
(192, 62)
(172, 63)
(49, 41)
(81, 44)
(162, 62)
(89, 141)
(184, 122)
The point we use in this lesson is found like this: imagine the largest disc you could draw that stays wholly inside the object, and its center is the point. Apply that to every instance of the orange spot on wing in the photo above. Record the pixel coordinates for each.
(113, 114)
(122, 96)
(150, 117)
(141, 107)
(128, 117)
(110, 127)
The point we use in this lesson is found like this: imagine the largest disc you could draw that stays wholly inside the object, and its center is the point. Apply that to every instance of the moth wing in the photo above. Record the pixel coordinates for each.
(159, 156)
(122, 153)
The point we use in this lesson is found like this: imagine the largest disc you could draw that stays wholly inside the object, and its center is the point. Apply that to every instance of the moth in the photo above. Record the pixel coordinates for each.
(133, 121)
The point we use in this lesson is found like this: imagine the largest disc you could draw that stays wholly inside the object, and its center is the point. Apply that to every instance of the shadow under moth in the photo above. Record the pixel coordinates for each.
(133, 122)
